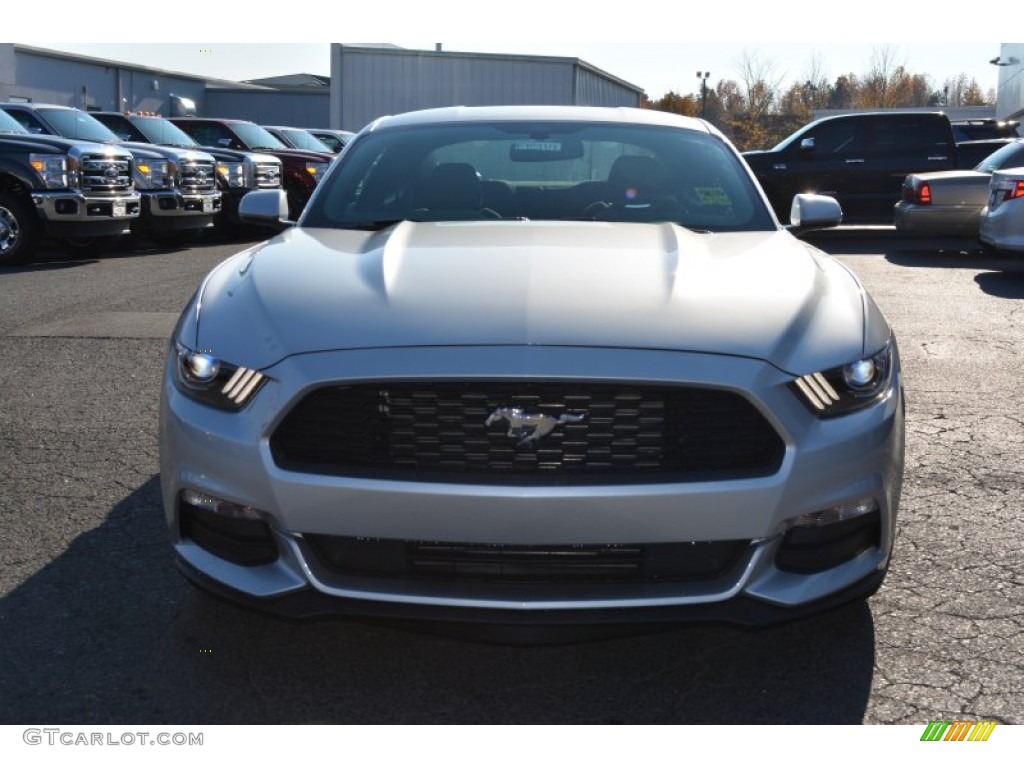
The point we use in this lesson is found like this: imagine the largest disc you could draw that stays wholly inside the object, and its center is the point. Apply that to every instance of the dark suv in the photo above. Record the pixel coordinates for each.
(302, 169)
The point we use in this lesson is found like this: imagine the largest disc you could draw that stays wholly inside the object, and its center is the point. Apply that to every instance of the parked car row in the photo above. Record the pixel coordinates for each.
(861, 159)
(969, 203)
(86, 179)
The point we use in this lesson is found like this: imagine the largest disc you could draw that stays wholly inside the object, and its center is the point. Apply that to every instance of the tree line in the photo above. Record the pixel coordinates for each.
(756, 112)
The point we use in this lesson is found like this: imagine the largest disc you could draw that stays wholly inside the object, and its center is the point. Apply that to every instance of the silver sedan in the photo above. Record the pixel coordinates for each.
(535, 365)
(950, 202)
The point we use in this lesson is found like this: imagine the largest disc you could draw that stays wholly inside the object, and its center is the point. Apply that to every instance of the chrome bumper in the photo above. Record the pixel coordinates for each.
(74, 207)
(168, 203)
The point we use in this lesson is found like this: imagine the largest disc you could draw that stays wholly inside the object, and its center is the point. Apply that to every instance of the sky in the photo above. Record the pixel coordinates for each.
(640, 41)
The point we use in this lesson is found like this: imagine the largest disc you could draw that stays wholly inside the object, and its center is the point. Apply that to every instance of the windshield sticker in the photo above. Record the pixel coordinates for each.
(712, 195)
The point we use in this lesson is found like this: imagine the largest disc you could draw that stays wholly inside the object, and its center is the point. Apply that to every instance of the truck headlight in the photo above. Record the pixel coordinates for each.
(52, 169)
(154, 174)
(231, 174)
(317, 170)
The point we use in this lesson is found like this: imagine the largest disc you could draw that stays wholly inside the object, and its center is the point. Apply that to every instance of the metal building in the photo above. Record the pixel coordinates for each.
(370, 81)
(1010, 96)
(366, 82)
(54, 77)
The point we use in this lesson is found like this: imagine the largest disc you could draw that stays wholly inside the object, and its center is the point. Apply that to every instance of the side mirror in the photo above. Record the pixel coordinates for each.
(807, 147)
(266, 207)
(810, 212)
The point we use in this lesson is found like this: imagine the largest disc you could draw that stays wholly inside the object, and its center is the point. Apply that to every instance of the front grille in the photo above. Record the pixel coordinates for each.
(268, 175)
(198, 177)
(608, 434)
(608, 563)
(105, 174)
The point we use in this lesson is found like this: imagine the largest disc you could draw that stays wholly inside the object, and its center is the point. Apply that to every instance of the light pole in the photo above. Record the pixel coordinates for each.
(703, 77)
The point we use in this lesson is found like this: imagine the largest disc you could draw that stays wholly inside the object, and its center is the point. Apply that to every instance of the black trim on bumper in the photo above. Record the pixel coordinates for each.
(743, 611)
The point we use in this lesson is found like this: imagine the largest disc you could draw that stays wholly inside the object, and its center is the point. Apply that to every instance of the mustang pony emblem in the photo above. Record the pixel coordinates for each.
(529, 428)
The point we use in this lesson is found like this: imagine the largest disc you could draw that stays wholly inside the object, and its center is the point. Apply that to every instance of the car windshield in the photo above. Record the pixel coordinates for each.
(160, 130)
(1008, 156)
(75, 124)
(9, 125)
(302, 140)
(586, 171)
(256, 137)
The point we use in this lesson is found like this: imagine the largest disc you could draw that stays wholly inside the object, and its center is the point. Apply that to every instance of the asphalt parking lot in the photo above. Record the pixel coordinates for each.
(98, 626)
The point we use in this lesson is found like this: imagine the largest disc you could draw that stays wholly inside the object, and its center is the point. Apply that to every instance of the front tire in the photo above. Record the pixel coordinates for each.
(19, 230)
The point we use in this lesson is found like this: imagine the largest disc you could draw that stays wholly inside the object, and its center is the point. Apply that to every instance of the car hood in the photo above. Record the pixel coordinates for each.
(764, 295)
(177, 154)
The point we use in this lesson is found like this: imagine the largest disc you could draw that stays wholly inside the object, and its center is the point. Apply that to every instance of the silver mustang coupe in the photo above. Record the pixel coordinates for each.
(534, 366)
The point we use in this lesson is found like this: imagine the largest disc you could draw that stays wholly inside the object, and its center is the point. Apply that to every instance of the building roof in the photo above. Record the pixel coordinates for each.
(298, 80)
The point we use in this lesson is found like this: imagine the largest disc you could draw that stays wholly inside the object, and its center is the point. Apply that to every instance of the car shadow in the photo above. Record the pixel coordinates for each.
(110, 632)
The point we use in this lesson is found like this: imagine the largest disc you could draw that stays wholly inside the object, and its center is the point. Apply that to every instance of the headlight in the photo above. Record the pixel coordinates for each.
(317, 170)
(231, 174)
(154, 174)
(847, 388)
(52, 169)
(202, 376)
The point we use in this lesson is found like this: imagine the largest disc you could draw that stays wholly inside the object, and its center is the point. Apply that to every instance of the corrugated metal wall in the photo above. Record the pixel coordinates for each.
(294, 108)
(593, 90)
(367, 83)
(1010, 96)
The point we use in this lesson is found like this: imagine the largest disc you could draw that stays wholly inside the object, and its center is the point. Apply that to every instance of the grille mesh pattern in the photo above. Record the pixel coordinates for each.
(439, 431)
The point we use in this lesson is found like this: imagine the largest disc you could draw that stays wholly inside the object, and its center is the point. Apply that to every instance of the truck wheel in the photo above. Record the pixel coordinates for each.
(86, 247)
(19, 230)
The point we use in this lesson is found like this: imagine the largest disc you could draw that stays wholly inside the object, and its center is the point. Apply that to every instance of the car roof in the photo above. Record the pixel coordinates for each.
(625, 115)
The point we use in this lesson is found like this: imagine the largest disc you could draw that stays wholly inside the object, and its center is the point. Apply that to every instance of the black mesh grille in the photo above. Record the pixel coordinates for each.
(609, 434)
(386, 558)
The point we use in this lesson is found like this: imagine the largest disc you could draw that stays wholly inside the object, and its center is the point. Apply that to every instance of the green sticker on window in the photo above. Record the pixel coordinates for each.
(712, 196)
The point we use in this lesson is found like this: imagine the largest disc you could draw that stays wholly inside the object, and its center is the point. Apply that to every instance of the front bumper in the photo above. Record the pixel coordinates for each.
(67, 213)
(170, 210)
(826, 463)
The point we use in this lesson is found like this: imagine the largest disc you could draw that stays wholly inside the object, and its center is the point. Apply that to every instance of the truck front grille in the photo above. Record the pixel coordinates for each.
(268, 175)
(104, 174)
(593, 434)
(198, 177)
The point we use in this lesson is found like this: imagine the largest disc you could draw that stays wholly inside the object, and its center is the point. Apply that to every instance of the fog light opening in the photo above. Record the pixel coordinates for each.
(829, 537)
(233, 532)
(219, 506)
(836, 514)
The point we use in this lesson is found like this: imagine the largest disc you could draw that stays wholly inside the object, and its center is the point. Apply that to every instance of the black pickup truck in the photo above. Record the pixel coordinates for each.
(58, 188)
(178, 187)
(862, 159)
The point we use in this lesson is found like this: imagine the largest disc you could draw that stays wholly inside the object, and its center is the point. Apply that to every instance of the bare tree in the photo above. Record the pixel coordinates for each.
(876, 90)
(815, 83)
(759, 82)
